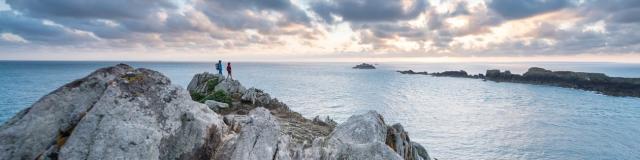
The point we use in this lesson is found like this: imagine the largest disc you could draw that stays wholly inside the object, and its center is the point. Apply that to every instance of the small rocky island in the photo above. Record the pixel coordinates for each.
(121, 112)
(601, 83)
(364, 66)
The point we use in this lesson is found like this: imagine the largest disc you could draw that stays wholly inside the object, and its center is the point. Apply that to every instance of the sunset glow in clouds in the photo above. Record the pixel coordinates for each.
(256, 29)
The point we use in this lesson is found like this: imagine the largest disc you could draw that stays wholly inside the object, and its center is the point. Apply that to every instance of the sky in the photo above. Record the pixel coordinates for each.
(340, 30)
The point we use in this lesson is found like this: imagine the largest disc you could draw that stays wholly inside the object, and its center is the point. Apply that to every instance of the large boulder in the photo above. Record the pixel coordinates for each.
(215, 105)
(360, 129)
(33, 130)
(360, 137)
(256, 96)
(114, 113)
(204, 83)
(398, 140)
(258, 139)
(367, 136)
(230, 87)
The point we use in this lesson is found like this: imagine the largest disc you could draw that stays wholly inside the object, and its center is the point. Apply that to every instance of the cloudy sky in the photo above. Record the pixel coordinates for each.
(289, 29)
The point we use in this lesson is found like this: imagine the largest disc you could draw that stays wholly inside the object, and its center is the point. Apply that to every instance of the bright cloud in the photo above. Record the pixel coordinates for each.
(406, 28)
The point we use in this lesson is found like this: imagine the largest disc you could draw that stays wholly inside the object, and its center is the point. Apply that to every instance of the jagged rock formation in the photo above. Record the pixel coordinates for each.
(601, 83)
(124, 113)
(256, 97)
(114, 113)
(364, 66)
(361, 137)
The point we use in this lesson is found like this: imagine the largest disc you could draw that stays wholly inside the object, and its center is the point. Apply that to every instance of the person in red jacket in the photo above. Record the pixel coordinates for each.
(229, 70)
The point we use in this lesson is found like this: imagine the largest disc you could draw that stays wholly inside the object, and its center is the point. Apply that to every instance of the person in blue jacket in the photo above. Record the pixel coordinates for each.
(219, 67)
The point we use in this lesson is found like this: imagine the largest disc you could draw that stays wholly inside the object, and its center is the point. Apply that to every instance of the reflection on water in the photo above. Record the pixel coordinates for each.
(455, 118)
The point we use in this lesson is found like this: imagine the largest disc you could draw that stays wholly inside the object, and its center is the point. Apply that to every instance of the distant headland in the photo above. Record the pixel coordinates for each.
(598, 82)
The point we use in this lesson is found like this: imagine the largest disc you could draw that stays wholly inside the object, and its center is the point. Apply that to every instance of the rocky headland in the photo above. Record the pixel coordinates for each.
(121, 112)
(364, 66)
(598, 82)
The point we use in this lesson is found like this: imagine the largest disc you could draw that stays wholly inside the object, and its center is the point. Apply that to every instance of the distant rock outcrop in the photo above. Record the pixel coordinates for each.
(412, 72)
(460, 73)
(364, 66)
(601, 83)
(124, 113)
(614, 86)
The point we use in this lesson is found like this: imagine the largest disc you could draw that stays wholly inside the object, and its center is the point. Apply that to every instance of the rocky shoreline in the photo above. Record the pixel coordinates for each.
(121, 112)
(598, 82)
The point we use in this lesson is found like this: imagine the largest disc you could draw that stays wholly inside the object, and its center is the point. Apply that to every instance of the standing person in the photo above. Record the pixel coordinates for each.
(219, 67)
(229, 70)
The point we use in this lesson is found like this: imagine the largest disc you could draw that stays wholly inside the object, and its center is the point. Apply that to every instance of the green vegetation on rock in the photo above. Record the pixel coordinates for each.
(197, 96)
(219, 96)
(211, 85)
(133, 77)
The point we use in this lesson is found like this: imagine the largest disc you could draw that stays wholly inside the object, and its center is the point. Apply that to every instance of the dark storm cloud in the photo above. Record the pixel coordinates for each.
(232, 14)
(616, 11)
(369, 10)
(137, 22)
(516, 9)
(35, 30)
(619, 34)
(107, 9)
(112, 19)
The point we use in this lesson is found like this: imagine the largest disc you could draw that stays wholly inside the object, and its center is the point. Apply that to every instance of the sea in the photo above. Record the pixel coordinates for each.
(454, 118)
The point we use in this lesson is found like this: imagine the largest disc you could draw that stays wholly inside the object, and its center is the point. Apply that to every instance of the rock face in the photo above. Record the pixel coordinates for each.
(229, 86)
(364, 66)
(209, 80)
(258, 138)
(215, 105)
(360, 137)
(256, 97)
(106, 116)
(124, 113)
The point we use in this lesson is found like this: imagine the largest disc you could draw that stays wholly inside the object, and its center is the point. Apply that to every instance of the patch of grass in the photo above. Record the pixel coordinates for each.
(219, 96)
(211, 84)
(133, 77)
(197, 96)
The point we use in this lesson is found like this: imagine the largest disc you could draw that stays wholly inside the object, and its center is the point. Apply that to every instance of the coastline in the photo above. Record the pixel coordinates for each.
(109, 113)
(598, 82)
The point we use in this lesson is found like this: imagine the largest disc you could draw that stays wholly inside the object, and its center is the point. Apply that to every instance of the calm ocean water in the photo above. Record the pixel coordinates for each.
(454, 118)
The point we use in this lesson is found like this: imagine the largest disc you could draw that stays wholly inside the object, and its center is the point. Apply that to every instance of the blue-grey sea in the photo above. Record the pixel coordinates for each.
(455, 118)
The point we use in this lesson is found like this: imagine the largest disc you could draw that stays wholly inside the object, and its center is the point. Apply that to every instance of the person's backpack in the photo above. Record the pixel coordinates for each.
(218, 66)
